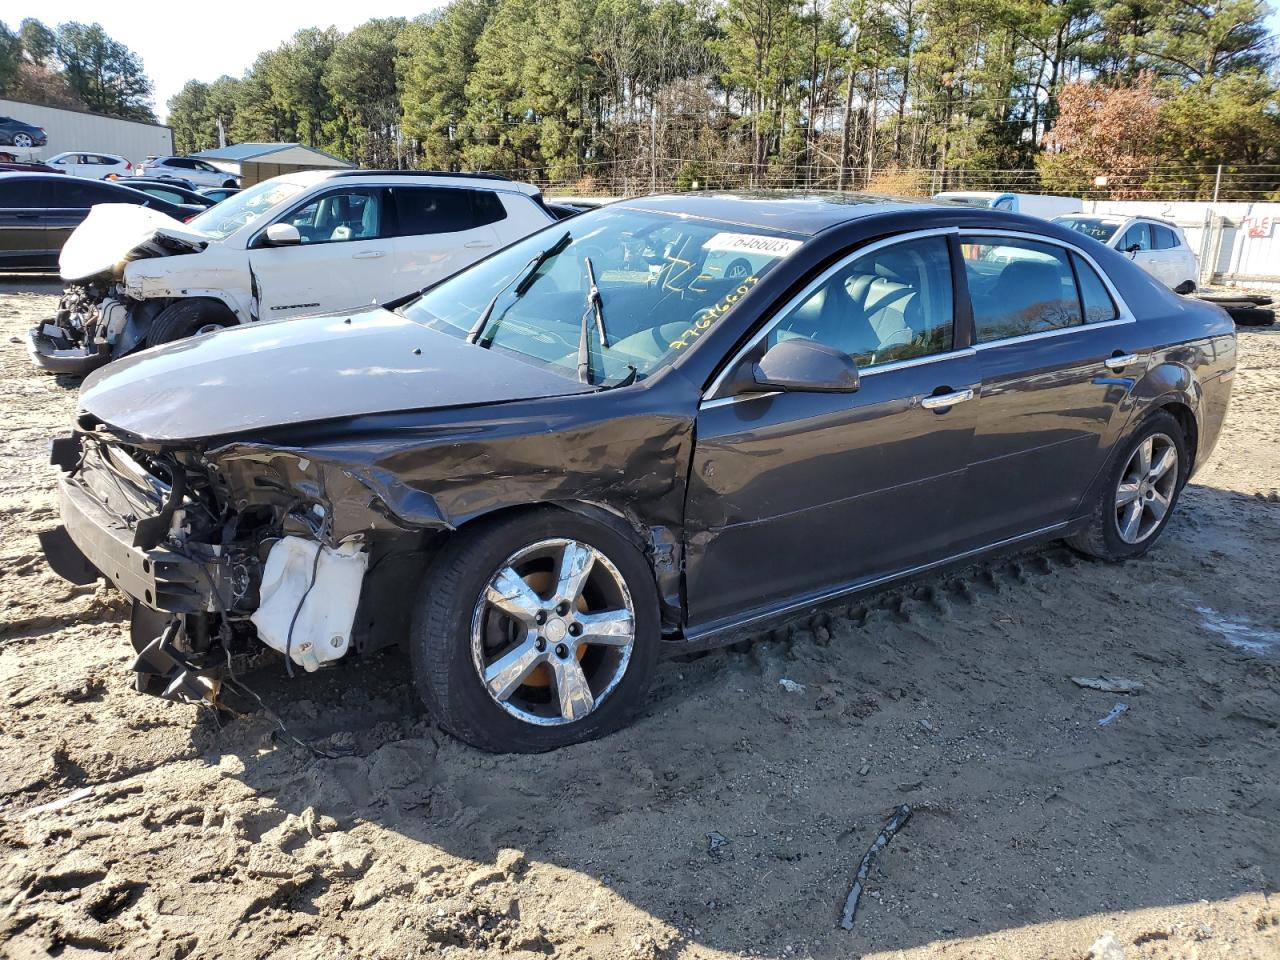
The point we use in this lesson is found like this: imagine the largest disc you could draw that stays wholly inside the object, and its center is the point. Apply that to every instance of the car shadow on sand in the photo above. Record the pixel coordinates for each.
(735, 810)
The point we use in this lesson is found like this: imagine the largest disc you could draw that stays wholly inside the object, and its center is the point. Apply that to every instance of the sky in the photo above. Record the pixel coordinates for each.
(232, 39)
(209, 46)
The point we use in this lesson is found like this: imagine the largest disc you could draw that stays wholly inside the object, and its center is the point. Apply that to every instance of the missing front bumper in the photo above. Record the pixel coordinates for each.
(52, 352)
(159, 578)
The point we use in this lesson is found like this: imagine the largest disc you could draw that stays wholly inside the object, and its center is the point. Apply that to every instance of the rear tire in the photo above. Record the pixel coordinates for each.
(186, 318)
(554, 677)
(1134, 503)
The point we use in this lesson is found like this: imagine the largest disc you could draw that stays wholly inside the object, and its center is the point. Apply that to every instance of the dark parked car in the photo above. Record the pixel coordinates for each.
(169, 190)
(218, 194)
(596, 447)
(16, 166)
(38, 211)
(20, 134)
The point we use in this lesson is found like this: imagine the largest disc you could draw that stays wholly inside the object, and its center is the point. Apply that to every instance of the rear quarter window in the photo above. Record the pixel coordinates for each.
(1098, 305)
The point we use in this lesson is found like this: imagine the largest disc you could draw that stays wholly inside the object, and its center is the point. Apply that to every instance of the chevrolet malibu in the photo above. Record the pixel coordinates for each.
(601, 445)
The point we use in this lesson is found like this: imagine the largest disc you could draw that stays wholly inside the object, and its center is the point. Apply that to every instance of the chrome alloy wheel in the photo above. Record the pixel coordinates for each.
(553, 631)
(1146, 488)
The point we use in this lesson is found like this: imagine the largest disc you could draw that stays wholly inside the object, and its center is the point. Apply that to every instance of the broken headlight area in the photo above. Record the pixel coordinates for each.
(216, 570)
(95, 322)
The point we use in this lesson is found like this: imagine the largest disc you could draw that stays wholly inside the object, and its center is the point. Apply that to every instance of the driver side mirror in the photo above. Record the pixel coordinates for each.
(282, 235)
(799, 366)
(1133, 248)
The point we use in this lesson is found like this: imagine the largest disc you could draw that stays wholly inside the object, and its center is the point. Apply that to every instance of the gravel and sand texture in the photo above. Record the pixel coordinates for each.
(731, 818)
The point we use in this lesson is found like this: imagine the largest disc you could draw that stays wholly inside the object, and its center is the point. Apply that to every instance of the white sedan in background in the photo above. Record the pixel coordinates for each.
(1158, 246)
(199, 173)
(92, 166)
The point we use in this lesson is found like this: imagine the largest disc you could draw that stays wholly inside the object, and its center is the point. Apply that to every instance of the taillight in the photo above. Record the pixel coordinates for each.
(128, 165)
(188, 218)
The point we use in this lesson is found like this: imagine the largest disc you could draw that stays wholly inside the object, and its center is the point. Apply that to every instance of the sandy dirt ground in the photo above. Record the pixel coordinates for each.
(143, 829)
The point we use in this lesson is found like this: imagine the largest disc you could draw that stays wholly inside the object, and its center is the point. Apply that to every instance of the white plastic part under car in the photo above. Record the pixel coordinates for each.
(309, 619)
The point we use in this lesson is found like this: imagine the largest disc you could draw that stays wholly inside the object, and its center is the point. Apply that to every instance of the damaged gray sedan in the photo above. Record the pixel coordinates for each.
(631, 434)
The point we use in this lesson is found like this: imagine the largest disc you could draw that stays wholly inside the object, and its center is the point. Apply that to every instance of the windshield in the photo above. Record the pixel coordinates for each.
(1102, 230)
(663, 281)
(243, 208)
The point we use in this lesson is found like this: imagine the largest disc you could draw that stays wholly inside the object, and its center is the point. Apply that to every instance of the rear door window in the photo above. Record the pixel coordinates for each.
(1163, 237)
(22, 194)
(1019, 287)
(423, 211)
(75, 194)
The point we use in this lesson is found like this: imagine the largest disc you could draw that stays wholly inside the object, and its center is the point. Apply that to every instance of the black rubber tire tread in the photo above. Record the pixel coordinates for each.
(182, 319)
(440, 634)
(1100, 538)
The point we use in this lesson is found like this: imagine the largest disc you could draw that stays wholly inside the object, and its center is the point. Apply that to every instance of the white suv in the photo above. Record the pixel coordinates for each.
(1157, 246)
(200, 173)
(94, 166)
(304, 243)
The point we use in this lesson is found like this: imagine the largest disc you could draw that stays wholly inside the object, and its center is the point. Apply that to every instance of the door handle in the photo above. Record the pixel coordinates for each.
(367, 255)
(477, 244)
(945, 401)
(1119, 361)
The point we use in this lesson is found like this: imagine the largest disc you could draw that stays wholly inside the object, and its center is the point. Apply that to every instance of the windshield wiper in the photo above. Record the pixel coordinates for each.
(595, 309)
(594, 301)
(522, 281)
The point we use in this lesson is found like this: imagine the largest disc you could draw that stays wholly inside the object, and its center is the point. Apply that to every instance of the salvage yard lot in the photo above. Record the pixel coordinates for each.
(131, 825)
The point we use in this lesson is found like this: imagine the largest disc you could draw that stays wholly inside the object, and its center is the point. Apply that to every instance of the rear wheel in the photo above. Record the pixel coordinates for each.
(535, 631)
(1139, 493)
(186, 318)
(23, 140)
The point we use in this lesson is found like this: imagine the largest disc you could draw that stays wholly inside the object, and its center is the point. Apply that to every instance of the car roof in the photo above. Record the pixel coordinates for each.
(474, 181)
(798, 212)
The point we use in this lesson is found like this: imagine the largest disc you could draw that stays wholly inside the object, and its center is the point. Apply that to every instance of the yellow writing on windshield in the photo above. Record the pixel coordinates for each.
(713, 313)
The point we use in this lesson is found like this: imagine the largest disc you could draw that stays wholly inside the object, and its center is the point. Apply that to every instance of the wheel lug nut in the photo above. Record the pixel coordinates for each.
(540, 645)
(562, 651)
(540, 617)
(575, 629)
(562, 608)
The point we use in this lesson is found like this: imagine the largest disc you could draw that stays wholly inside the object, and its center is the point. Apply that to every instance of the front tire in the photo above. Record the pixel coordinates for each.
(535, 631)
(186, 318)
(1139, 493)
(23, 140)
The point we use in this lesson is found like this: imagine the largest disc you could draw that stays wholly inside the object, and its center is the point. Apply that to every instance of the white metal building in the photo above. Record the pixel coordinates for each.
(90, 132)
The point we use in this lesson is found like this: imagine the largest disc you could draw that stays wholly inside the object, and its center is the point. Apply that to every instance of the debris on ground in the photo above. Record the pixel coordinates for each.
(1110, 684)
(896, 822)
(1114, 713)
(1106, 947)
(718, 847)
(791, 686)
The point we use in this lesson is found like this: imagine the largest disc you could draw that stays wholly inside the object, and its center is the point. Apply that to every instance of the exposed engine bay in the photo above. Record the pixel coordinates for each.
(228, 555)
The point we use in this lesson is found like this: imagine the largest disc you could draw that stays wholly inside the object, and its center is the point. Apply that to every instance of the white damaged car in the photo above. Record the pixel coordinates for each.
(304, 243)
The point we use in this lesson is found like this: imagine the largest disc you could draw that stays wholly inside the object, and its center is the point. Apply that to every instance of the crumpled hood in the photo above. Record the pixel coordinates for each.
(263, 375)
(115, 233)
